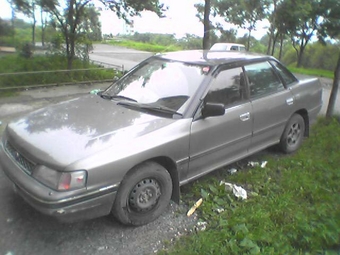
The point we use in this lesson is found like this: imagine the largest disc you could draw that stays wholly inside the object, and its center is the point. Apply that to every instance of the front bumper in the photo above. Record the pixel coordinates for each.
(66, 206)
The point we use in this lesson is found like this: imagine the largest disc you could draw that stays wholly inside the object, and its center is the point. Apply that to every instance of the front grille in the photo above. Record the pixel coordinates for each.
(25, 164)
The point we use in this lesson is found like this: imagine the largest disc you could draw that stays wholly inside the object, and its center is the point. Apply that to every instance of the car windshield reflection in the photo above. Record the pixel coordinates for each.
(160, 84)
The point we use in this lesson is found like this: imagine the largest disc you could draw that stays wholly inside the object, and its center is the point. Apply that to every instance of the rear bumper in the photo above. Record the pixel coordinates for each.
(67, 206)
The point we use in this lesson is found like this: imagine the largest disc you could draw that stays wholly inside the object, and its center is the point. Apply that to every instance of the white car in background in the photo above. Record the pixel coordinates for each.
(228, 47)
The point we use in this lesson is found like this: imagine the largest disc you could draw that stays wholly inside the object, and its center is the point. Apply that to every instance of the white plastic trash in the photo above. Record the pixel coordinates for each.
(238, 191)
(232, 171)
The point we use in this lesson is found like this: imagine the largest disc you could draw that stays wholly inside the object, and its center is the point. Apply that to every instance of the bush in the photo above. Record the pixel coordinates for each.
(17, 64)
(27, 50)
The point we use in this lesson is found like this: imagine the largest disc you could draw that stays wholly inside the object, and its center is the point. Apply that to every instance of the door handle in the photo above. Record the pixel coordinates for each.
(290, 101)
(245, 116)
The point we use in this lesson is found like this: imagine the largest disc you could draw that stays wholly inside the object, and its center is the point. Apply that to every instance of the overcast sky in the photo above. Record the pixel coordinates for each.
(180, 19)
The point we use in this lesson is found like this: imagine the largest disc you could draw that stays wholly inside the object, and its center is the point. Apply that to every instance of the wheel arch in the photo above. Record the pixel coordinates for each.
(171, 167)
(304, 114)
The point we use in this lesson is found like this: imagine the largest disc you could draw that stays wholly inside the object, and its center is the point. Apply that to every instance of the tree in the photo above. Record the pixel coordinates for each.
(43, 20)
(190, 42)
(13, 17)
(330, 27)
(300, 20)
(226, 35)
(243, 13)
(28, 8)
(206, 24)
(203, 14)
(5, 28)
(206, 13)
(273, 31)
(69, 15)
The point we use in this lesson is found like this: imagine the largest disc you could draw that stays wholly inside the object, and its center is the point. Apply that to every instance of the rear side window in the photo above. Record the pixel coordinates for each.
(287, 77)
(228, 87)
(262, 79)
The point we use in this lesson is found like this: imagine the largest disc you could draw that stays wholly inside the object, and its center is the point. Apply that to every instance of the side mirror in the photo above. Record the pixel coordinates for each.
(212, 109)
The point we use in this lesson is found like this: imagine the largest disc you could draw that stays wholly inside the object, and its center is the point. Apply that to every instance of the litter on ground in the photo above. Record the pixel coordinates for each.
(238, 191)
(194, 207)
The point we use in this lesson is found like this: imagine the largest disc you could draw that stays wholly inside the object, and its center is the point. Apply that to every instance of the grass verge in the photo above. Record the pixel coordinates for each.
(145, 46)
(16, 65)
(312, 72)
(293, 205)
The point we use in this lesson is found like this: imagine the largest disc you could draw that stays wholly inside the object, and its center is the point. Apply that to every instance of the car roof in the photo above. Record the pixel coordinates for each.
(213, 58)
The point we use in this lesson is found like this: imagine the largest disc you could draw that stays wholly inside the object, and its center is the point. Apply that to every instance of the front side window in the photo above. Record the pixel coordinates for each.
(227, 88)
(159, 84)
(262, 79)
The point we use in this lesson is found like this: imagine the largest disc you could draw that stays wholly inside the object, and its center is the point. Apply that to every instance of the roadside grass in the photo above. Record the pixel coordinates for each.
(145, 46)
(9, 93)
(293, 204)
(16, 64)
(312, 72)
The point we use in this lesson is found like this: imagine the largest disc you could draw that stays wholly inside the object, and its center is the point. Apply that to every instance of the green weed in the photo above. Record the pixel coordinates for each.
(312, 72)
(293, 205)
(17, 64)
(146, 46)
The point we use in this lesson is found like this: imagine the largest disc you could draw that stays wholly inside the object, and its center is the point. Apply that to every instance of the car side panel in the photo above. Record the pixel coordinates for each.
(270, 115)
(308, 95)
(217, 141)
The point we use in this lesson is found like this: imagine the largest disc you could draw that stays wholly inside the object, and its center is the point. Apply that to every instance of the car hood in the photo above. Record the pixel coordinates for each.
(64, 133)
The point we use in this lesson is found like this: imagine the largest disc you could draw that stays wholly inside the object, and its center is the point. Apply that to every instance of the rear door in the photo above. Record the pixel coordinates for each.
(272, 104)
(216, 141)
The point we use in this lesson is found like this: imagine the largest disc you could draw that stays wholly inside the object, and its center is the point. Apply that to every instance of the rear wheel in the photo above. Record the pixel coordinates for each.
(143, 194)
(293, 134)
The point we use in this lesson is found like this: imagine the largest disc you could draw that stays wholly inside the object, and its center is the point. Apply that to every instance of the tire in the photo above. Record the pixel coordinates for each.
(143, 194)
(293, 134)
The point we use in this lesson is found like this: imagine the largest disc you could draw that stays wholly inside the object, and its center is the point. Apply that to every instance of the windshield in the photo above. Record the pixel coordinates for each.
(160, 84)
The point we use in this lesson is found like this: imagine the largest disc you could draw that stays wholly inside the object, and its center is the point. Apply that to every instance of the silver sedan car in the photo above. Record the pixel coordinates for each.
(173, 118)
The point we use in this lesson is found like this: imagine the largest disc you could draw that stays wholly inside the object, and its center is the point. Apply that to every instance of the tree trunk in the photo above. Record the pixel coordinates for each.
(300, 54)
(269, 43)
(334, 92)
(33, 34)
(33, 24)
(43, 25)
(69, 35)
(274, 43)
(71, 52)
(206, 22)
(281, 46)
(248, 43)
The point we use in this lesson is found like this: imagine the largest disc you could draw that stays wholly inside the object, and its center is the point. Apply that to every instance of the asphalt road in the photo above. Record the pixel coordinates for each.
(25, 231)
(123, 58)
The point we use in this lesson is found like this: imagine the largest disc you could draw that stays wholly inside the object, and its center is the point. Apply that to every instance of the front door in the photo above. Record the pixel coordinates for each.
(216, 141)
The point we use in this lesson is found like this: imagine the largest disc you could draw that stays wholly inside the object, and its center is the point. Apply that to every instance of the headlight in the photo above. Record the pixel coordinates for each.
(60, 180)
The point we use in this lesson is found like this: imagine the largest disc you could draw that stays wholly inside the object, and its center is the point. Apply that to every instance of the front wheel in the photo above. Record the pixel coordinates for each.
(143, 194)
(293, 134)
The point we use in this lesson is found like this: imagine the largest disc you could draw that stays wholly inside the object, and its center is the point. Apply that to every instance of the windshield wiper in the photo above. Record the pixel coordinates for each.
(148, 107)
(109, 97)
